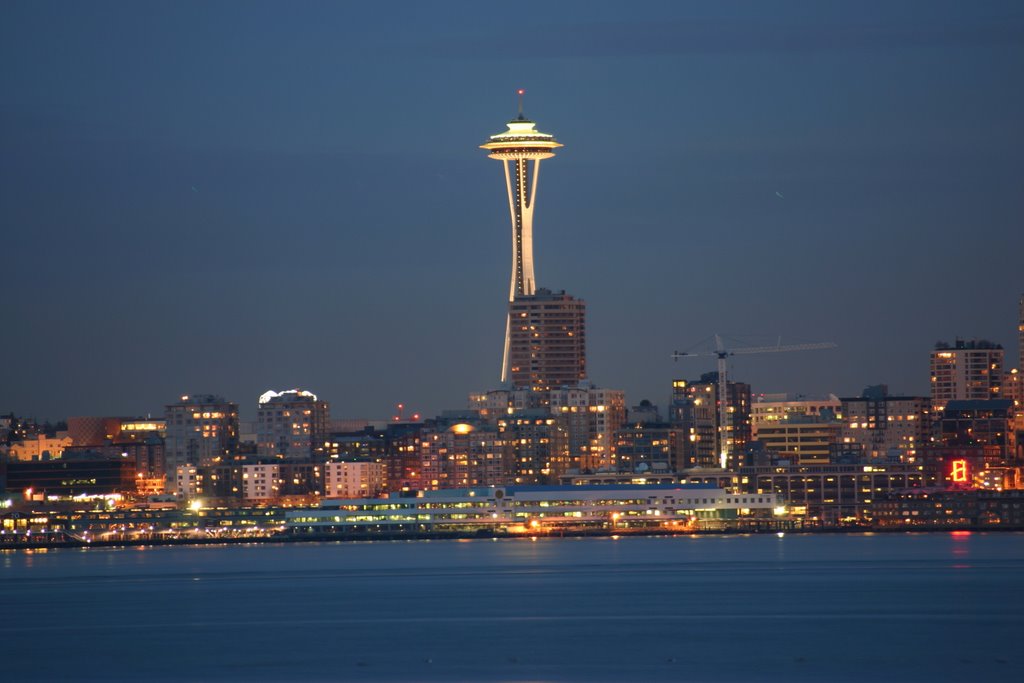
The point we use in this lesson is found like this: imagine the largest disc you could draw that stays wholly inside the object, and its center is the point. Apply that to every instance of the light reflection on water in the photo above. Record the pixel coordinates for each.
(900, 607)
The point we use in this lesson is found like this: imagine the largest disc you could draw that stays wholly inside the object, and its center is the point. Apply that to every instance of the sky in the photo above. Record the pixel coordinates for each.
(229, 197)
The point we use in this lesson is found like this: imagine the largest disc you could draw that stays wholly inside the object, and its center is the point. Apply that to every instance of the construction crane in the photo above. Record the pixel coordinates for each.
(722, 354)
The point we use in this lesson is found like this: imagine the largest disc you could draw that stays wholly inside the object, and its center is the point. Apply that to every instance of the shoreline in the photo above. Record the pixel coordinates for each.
(292, 538)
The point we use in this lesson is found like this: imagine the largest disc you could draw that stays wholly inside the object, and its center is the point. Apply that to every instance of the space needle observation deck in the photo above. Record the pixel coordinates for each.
(520, 149)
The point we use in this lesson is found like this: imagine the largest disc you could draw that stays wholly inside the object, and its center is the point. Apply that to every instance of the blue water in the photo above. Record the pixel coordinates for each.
(889, 607)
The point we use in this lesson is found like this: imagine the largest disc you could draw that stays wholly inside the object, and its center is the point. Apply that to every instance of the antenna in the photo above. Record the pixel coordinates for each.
(520, 92)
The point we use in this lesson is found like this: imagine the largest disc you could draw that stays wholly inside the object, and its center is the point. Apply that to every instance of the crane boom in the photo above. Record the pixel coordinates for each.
(722, 353)
(788, 347)
(755, 349)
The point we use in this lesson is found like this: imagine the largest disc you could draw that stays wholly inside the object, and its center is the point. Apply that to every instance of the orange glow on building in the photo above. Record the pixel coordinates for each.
(959, 471)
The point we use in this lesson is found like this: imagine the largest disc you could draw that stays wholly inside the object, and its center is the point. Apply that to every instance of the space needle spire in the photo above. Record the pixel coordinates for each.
(520, 149)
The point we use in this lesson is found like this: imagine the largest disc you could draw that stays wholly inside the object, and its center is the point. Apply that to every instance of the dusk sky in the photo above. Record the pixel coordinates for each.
(230, 197)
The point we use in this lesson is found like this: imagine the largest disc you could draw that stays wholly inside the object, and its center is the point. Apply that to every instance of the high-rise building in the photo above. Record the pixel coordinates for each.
(465, 451)
(880, 425)
(694, 414)
(694, 409)
(547, 342)
(1013, 390)
(540, 443)
(801, 428)
(804, 439)
(404, 464)
(584, 421)
(520, 149)
(201, 429)
(966, 371)
(769, 409)
(643, 447)
(497, 403)
(589, 416)
(292, 425)
(987, 425)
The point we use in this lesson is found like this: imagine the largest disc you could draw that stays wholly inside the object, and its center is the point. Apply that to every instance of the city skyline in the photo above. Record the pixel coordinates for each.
(197, 219)
(251, 420)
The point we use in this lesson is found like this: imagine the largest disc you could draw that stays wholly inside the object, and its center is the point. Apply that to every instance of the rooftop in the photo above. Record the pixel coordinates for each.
(286, 395)
(968, 345)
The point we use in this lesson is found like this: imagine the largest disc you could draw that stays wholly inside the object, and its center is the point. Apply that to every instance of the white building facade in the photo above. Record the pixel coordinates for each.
(362, 479)
(261, 482)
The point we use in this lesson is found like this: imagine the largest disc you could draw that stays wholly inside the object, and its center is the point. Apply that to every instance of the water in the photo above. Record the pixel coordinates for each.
(891, 607)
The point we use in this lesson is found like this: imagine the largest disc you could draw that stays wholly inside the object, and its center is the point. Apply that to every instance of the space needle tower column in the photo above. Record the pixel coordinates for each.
(520, 149)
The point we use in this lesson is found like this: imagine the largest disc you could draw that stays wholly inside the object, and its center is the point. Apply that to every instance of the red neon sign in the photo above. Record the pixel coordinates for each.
(959, 471)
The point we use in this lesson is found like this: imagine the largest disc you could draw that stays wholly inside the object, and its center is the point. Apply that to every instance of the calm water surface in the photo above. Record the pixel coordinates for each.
(891, 607)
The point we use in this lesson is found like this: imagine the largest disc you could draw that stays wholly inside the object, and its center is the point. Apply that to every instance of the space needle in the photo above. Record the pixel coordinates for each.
(516, 148)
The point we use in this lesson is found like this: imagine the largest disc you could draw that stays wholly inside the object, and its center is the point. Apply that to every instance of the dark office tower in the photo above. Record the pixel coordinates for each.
(539, 446)
(880, 425)
(694, 410)
(201, 429)
(547, 341)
